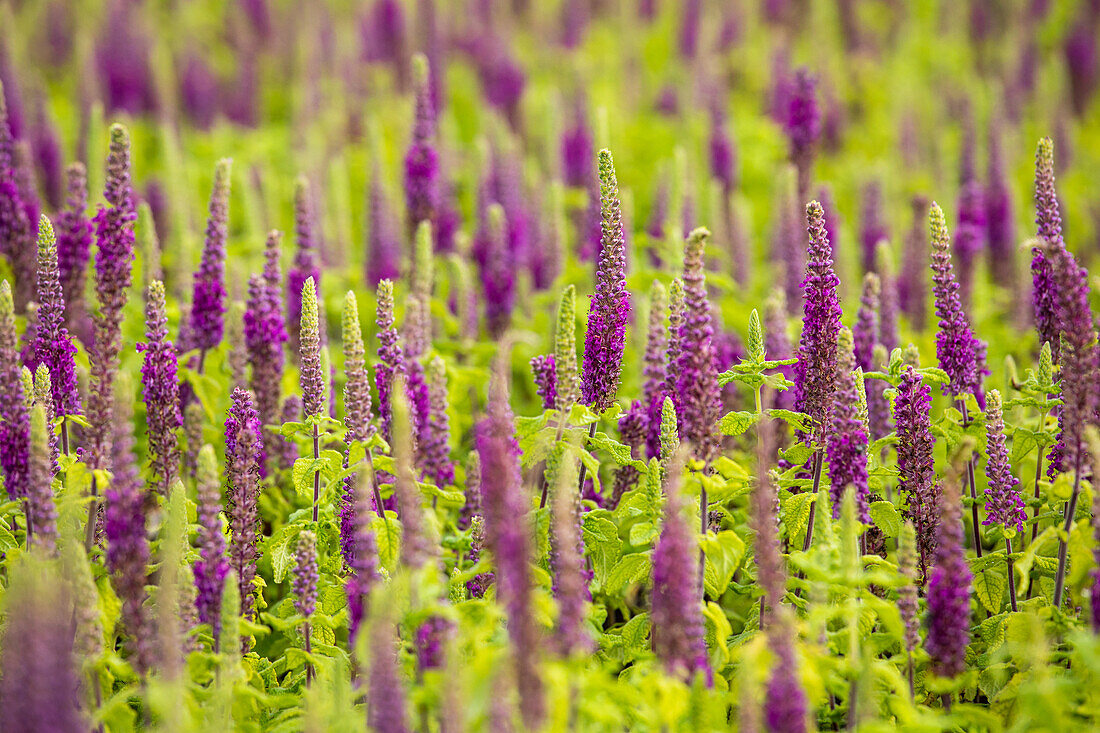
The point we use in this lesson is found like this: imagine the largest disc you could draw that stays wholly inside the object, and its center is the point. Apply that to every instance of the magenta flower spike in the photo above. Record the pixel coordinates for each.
(391, 359)
(361, 555)
(545, 373)
(208, 290)
(160, 390)
(610, 304)
(1003, 503)
(52, 345)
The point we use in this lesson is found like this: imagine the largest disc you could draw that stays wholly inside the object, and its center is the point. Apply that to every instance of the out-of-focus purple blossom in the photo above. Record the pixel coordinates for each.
(39, 684)
(430, 636)
(385, 690)
(211, 567)
(498, 275)
(304, 583)
(122, 56)
(383, 241)
(199, 92)
(208, 290)
(383, 35)
(1082, 63)
(677, 634)
(777, 343)
(48, 157)
(502, 78)
(306, 264)
(1000, 228)
(723, 154)
(574, 22)
(604, 341)
(577, 152)
(16, 233)
(41, 511)
(785, 700)
(970, 234)
(949, 592)
(421, 159)
(507, 538)
(692, 11)
(802, 123)
(433, 444)
(74, 243)
(362, 555)
(912, 285)
(872, 227)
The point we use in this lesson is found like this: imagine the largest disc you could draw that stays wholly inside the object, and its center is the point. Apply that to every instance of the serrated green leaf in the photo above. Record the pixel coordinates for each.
(642, 534)
(989, 588)
(387, 533)
(886, 517)
(619, 452)
(796, 512)
(602, 544)
(634, 633)
(797, 420)
(723, 552)
(628, 570)
(735, 423)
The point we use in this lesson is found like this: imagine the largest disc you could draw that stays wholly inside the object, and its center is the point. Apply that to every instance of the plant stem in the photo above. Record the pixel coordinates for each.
(93, 513)
(584, 469)
(65, 434)
(1063, 542)
(557, 439)
(819, 459)
(1011, 574)
(973, 488)
(1038, 478)
(703, 532)
(309, 650)
(912, 692)
(316, 472)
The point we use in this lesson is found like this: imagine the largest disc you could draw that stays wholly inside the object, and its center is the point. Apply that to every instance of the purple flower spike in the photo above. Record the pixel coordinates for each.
(916, 475)
(507, 538)
(312, 378)
(846, 442)
(960, 354)
(208, 290)
(577, 151)
(1048, 221)
(74, 243)
(872, 228)
(815, 372)
(391, 359)
(677, 635)
(53, 346)
(242, 449)
(655, 368)
(264, 336)
(114, 269)
(785, 700)
(383, 241)
(385, 691)
(545, 379)
(39, 684)
(949, 592)
(434, 446)
(421, 160)
(16, 233)
(1002, 499)
(211, 567)
(604, 341)
(305, 574)
(1000, 231)
(160, 390)
(362, 554)
(305, 259)
(14, 418)
(696, 397)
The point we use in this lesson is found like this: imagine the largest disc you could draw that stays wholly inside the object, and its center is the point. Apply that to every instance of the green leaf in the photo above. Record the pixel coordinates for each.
(989, 587)
(619, 452)
(886, 517)
(634, 633)
(280, 548)
(735, 423)
(602, 544)
(797, 420)
(628, 570)
(303, 471)
(724, 552)
(797, 454)
(387, 533)
(642, 534)
(796, 512)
